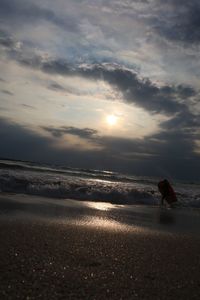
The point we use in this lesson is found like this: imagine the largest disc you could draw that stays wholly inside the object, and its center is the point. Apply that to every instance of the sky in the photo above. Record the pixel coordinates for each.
(102, 84)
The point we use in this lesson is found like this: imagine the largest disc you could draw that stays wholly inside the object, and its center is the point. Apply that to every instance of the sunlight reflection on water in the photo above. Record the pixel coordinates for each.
(100, 205)
(104, 223)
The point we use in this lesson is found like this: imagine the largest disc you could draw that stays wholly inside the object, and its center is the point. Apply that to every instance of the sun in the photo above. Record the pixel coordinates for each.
(111, 119)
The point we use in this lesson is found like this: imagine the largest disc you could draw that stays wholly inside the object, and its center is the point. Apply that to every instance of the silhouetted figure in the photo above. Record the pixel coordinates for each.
(167, 192)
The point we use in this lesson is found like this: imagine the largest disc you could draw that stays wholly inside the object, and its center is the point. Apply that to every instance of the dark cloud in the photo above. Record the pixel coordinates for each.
(19, 142)
(21, 11)
(140, 91)
(184, 120)
(28, 106)
(165, 153)
(175, 20)
(184, 91)
(6, 40)
(7, 92)
(178, 20)
(81, 132)
(56, 87)
(59, 66)
(168, 145)
(2, 80)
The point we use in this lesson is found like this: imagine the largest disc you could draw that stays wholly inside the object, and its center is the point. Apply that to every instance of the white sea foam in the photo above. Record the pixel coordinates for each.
(92, 185)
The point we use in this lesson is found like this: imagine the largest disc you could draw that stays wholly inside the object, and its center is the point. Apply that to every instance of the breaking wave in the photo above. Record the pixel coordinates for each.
(89, 185)
(91, 190)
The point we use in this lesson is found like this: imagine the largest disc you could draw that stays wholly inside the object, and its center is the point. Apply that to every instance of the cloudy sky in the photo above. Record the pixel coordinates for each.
(105, 84)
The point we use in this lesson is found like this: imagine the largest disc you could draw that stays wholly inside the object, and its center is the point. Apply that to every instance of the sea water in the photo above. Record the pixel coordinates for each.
(89, 185)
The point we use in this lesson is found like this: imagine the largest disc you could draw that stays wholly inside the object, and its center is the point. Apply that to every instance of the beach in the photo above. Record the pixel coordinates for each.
(70, 250)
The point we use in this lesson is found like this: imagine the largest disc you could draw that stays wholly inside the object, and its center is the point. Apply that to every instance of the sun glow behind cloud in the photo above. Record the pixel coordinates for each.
(111, 120)
(75, 101)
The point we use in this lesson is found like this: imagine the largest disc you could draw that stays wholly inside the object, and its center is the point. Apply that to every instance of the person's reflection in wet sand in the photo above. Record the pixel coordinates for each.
(166, 217)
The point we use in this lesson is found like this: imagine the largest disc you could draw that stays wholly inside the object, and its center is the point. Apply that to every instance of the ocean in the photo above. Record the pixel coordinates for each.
(61, 182)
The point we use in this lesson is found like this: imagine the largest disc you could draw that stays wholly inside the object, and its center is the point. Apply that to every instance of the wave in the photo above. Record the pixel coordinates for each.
(84, 173)
(88, 190)
(78, 190)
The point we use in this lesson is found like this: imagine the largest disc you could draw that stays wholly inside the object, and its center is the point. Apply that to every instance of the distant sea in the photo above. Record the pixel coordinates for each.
(89, 185)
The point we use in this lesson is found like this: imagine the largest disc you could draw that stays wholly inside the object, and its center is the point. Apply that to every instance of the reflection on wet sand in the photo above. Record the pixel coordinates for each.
(166, 217)
(99, 214)
(100, 205)
(102, 223)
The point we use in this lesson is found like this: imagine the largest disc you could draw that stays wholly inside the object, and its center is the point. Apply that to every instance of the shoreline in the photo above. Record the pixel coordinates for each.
(100, 214)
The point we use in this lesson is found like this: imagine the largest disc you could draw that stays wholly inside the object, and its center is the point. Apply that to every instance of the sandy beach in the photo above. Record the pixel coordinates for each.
(58, 254)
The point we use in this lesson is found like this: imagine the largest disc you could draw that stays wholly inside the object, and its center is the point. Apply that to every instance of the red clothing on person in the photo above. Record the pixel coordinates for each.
(167, 191)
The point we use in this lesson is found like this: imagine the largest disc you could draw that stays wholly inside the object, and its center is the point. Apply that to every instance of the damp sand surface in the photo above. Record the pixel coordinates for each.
(72, 250)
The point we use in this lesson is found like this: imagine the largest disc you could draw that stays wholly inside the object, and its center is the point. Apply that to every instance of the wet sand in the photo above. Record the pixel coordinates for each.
(57, 258)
